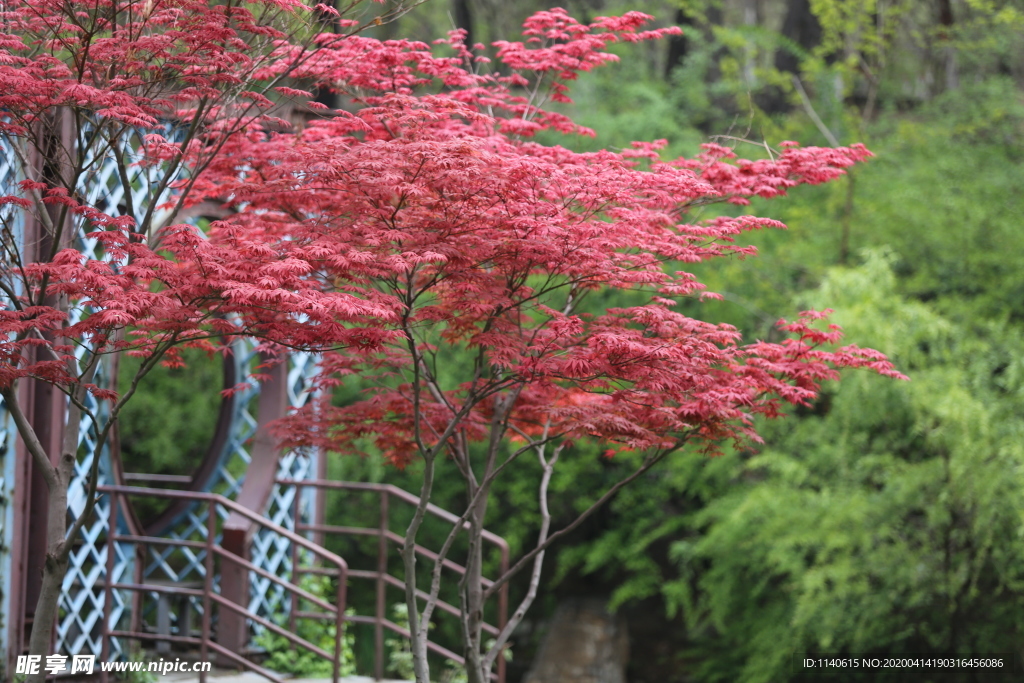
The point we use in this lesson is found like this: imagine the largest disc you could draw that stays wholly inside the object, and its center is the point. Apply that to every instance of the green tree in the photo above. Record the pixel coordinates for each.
(887, 521)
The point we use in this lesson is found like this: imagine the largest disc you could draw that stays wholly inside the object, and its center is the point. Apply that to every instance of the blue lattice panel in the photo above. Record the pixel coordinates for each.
(272, 552)
(9, 177)
(79, 627)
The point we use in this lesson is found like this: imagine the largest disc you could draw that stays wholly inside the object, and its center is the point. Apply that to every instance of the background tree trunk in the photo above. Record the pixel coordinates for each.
(463, 12)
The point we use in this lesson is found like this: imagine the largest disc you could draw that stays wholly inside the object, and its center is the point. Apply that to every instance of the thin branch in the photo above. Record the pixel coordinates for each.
(647, 464)
(809, 108)
(30, 438)
(538, 561)
(460, 523)
(11, 296)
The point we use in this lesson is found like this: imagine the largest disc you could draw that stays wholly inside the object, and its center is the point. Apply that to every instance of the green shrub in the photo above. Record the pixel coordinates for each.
(283, 656)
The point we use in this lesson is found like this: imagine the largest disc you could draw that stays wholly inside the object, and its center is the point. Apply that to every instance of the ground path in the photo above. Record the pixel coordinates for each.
(233, 676)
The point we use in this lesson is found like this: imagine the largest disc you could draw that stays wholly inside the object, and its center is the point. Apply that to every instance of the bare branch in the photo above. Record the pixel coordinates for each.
(460, 524)
(809, 108)
(538, 562)
(30, 438)
(647, 464)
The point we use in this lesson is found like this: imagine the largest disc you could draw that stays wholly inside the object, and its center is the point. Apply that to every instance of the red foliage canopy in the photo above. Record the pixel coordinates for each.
(428, 197)
(421, 217)
(84, 85)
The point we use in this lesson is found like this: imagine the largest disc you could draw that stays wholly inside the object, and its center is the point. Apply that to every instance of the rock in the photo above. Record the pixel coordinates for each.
(584, 644)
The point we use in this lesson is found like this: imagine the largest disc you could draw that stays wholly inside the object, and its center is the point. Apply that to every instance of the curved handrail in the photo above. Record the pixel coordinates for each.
(206, 643)
(392, 490)
(234, 507)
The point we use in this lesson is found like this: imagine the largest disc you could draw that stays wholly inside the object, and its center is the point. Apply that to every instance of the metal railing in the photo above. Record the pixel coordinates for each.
(383, 579)
(208, 594)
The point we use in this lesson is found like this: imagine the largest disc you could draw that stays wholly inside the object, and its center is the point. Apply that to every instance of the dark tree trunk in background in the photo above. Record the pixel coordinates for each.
(951, 78)
(585, 643)
(464, 19)
(752, 16)
(678, 46)
(799, 27)
(326, 96)
(698, 36)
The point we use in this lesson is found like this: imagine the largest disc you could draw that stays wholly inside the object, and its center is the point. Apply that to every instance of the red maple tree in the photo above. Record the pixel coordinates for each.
(418, 224)
(427, 195)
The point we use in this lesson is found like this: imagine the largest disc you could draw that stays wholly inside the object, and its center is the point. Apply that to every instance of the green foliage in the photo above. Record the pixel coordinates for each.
(886, 517)
(883, 522)
(400, 654)
(285, 657)
(399, 651)
(135, 654)
(942, 194)
(167, 426)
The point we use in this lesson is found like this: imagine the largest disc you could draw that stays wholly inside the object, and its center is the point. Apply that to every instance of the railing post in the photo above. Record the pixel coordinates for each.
(211, 532)
(238, 529)
(293, 602)
(138, 569)
(232, 627)
(382, 570)
(502, 609)
(108, 587)
(339, 622)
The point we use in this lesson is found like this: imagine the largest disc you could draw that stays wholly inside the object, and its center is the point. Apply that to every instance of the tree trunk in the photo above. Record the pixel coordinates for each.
(799, 26)
(473, 591)
(417, 635)
(751, 17)
(464, 19)
(946, 22)
(54, 570)
(585, 643)
(844, 239)
(678, 46)
(57, 542)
